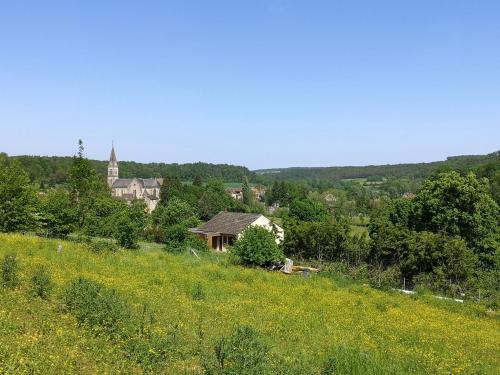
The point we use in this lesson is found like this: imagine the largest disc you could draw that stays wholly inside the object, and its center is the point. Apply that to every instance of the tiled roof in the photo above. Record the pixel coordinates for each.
(229, 222)
(145, 182)
(122, 183)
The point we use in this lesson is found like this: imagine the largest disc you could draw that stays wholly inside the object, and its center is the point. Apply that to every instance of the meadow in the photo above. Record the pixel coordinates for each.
(311, 325)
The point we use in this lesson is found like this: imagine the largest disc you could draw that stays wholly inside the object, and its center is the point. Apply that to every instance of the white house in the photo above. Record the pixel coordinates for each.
(226, 227)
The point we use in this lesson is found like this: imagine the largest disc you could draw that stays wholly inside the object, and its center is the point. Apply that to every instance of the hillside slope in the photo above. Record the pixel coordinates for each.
(302, 320)
(413, 170)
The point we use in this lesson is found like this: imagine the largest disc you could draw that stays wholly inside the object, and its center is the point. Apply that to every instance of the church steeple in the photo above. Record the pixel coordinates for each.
(112, 167)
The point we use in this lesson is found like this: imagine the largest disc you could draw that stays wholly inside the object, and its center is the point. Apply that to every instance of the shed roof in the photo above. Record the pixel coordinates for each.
(229, 222)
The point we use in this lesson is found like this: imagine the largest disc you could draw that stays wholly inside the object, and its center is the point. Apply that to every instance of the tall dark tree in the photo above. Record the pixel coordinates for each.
(248, 198)
(85, 185)
(171, 187)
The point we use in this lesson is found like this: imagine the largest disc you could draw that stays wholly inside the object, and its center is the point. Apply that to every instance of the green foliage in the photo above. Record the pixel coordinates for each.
(58, 213)
(248, 197)
(41, 283)
(10, 269)
(242, 353)
(126, 230)
(328, 240)
(417, 170)
(85, 186)
(308, 209)
(213, 200)
(460, 206)
(257, 246)
(179, 239)
(54, 170)
(103, 246)
(171, 187)
(96, 306)
(18, 200)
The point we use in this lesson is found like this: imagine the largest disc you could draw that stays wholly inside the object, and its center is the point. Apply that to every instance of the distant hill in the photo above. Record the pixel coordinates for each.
(54, 169)
(416, 170)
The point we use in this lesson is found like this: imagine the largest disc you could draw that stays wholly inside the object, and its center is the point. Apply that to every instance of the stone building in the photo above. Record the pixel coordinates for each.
(128, 189)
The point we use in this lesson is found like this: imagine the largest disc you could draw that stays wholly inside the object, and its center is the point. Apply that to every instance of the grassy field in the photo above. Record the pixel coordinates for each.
(303, 321)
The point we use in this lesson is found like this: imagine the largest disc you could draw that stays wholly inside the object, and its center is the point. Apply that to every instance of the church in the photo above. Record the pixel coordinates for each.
(128, 189)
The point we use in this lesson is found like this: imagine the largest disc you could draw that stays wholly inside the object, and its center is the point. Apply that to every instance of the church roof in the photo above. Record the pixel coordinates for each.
(150, 183)
(122, 183)
(145, 182)
(112, 157)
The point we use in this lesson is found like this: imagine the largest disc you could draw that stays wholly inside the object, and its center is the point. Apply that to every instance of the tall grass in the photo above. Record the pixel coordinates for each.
(177, 308)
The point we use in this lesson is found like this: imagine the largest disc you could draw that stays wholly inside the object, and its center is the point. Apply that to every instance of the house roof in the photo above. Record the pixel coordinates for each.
(229, 222)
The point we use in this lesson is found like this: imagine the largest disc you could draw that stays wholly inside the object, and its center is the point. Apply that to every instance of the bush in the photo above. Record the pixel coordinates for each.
(41, 283)
(242, 353)
(258, 246)
(101, 246)
(153, 352)
(178, 239)
(10, 269)
(94, 305)
(126, 232)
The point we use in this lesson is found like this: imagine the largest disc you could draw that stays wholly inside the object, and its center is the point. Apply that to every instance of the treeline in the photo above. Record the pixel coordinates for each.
(54, 170)
(379, 172)
(83, 205)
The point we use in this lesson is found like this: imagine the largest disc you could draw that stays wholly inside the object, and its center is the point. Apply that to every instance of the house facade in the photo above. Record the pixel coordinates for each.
(128, 189)
(226, 227)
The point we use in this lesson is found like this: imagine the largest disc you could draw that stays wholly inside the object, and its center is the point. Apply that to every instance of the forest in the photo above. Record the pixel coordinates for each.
(379, 172)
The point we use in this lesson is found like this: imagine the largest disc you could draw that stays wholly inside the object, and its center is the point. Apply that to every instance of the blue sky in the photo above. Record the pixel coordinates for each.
(256, 83)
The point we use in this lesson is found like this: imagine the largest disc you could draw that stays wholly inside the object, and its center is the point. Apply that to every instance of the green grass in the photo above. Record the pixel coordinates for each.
(308, 324)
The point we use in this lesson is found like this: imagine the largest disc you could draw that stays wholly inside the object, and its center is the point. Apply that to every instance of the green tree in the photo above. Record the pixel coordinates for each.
(85, 185)
(58, 213)
(327, 240)
(18, 199)
(171, 187)
(213, 200)
(257, 246)
(308, 209)
(248, 198)
(198, 181)
(460, 206)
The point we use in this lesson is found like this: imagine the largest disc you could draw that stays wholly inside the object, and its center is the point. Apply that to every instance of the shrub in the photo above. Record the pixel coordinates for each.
(126, 232)
(94, 305)
(152, 351)
(41, 283)
(178, 239)
(258, 246)
(101, 246)
(10, 269)
(242, 353)
(198, 293)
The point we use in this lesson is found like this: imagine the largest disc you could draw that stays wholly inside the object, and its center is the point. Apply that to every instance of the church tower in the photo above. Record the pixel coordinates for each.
(112, 167)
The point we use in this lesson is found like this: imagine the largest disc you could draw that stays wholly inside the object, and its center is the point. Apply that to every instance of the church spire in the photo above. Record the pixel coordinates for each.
(112, 167)
(112, 157)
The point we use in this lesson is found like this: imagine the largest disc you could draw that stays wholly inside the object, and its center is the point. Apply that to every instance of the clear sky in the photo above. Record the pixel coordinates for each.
(261, 83)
